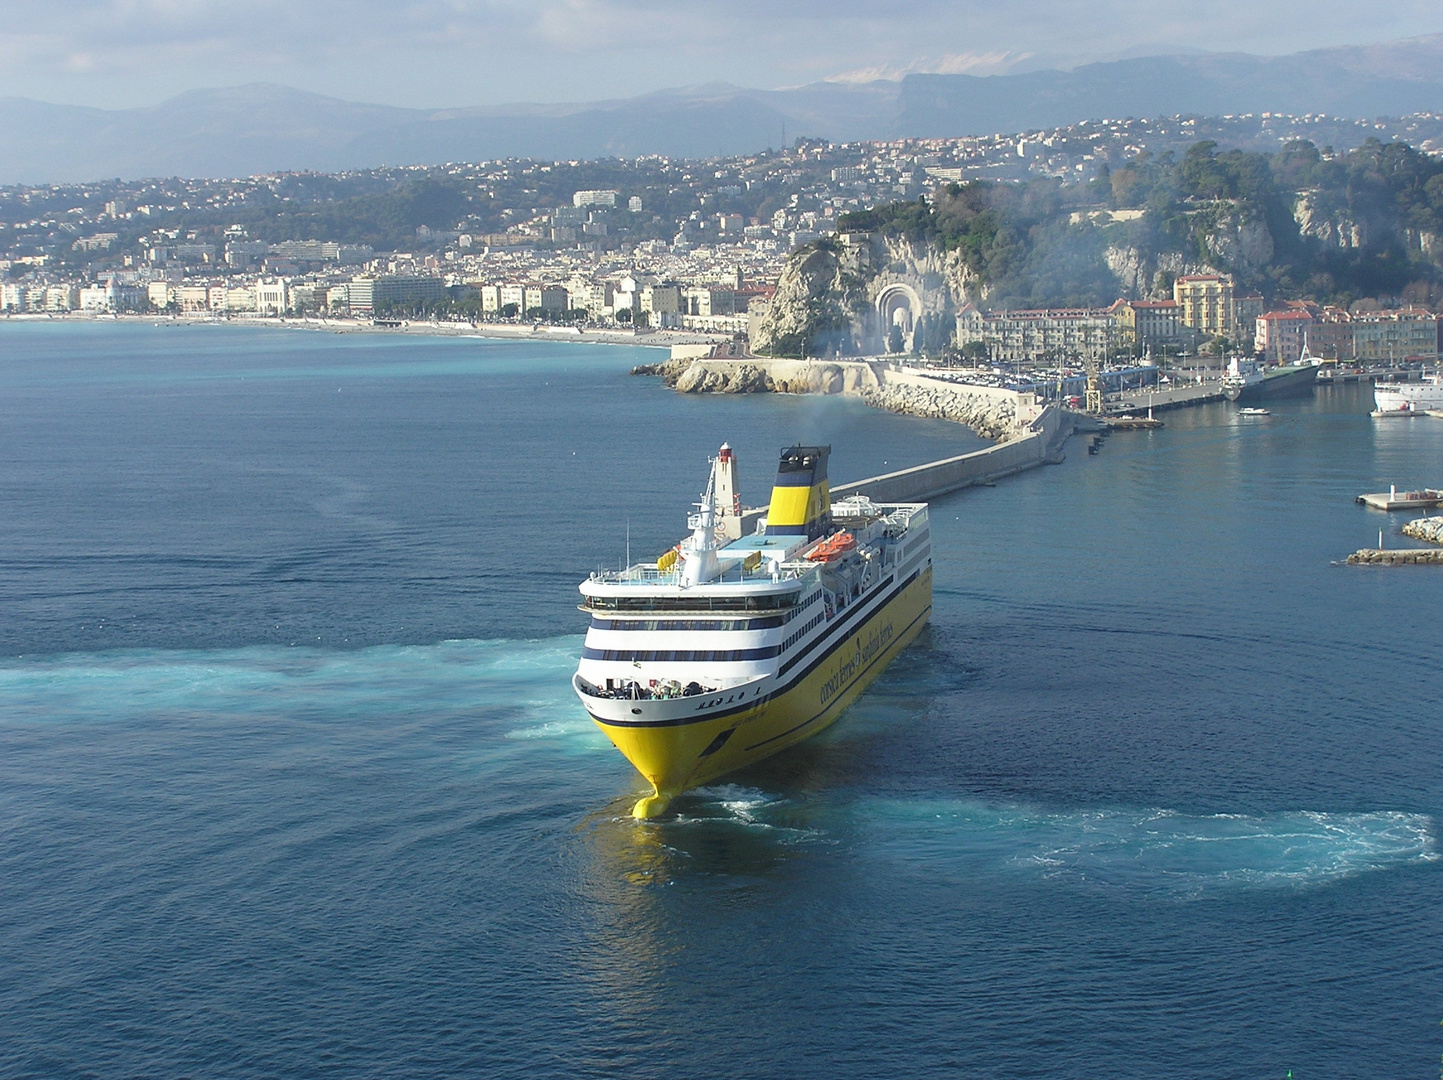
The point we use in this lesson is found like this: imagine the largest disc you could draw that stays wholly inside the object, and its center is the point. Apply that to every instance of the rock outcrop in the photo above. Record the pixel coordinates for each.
(814, 307)
(988, 415)
(1146, 275)
(1322, 218)
(843, 296)
(1428, 529)
(990, 411)
(669, 370)
(1240, 241)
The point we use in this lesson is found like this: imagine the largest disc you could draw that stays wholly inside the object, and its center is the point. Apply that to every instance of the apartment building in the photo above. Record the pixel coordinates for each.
(1047, 334)
(1205, 303)
(1148, 322)
(1281, 336)
(1394, 335)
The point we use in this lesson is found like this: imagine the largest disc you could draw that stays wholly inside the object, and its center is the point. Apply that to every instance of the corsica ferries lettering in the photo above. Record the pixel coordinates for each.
(847, 669)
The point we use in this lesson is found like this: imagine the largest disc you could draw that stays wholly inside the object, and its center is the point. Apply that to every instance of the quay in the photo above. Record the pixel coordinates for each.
(1396, 557)
(1393, 499)
(1180, 397)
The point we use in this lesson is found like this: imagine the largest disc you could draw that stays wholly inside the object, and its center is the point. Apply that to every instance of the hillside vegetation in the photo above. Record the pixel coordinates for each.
(1295, 223)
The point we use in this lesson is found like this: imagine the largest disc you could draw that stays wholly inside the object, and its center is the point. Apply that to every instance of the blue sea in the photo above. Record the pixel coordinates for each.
(292, 782)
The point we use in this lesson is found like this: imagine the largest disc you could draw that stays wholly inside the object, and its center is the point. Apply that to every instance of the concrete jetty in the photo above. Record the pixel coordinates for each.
(1393, 499)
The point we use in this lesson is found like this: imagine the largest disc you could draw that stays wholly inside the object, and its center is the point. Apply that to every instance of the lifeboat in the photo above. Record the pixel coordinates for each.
(833, 547)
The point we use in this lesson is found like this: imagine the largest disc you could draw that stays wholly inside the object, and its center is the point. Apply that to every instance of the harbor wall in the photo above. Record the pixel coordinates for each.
(1028, 433)
(1040, 444)
(993, 412)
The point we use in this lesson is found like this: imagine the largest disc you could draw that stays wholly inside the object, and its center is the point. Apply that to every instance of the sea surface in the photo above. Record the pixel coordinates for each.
(292, 782)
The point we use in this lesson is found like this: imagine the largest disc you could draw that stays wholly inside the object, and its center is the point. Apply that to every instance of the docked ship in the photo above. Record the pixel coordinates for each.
(731, 647)
(1248, 380)
(1390, 399)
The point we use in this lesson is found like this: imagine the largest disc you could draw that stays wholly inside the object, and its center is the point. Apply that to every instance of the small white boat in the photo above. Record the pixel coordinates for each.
(1254, 412)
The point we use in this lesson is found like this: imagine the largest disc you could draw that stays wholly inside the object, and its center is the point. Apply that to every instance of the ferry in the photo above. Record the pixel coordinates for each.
(733, 646)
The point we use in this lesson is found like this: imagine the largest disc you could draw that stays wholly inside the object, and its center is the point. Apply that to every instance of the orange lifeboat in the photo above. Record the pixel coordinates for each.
(833, 547)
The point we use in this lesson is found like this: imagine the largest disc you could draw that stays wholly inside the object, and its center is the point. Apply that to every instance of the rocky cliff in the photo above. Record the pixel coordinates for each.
(1334, 228)
(844, 296)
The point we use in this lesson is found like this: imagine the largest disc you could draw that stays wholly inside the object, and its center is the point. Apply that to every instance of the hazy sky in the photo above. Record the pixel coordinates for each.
(114, 53)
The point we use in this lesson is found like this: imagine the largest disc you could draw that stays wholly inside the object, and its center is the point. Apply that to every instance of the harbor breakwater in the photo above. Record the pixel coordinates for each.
(992, 412)
(1040, 443)
(1396, 557)
(1429, 529)
(1028, 434)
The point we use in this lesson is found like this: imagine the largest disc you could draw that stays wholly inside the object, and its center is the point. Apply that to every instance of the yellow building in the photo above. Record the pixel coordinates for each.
(1205, 303)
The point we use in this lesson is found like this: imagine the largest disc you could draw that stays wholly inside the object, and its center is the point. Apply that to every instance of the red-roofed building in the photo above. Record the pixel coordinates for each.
(1281, 335)
(1150, 322)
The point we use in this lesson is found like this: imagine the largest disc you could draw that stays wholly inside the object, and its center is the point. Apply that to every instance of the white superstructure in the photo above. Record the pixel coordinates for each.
(1409, 397)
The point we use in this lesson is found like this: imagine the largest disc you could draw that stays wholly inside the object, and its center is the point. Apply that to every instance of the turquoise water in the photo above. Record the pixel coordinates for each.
(292, 782)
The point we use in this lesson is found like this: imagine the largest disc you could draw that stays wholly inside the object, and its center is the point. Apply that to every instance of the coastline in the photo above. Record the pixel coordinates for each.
(656, 339)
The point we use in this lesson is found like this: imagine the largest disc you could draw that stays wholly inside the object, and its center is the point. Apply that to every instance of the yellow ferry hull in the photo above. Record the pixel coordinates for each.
(677, 757)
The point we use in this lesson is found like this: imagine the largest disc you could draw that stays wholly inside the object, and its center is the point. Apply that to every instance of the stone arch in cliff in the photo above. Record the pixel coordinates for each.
(899, 305)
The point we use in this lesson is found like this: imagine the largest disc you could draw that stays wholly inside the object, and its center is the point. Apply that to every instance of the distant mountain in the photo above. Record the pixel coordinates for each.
(1364, 81)
(262, 128)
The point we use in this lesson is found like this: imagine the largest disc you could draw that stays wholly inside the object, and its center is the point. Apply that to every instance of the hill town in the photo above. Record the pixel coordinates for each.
(1105, 237)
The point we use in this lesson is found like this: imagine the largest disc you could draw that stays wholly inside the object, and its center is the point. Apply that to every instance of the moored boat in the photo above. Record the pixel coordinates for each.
(731, 648)
(1407, 399)
(1248, 380)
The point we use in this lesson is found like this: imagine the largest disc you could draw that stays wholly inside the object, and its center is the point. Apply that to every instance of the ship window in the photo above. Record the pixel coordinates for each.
(699, 605)
(672, 656)
(766, 622)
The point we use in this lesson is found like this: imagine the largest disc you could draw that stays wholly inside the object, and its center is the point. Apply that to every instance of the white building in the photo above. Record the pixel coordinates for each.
(596, 297)
(61, 298)
(595, 198)
(271, 298)
(94, 298)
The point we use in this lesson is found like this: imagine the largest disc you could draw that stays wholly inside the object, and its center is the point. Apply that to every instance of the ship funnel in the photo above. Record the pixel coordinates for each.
(802, 497)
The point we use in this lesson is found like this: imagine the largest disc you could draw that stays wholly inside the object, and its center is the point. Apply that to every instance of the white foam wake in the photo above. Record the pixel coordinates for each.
(1163, 851)
(530, 680)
